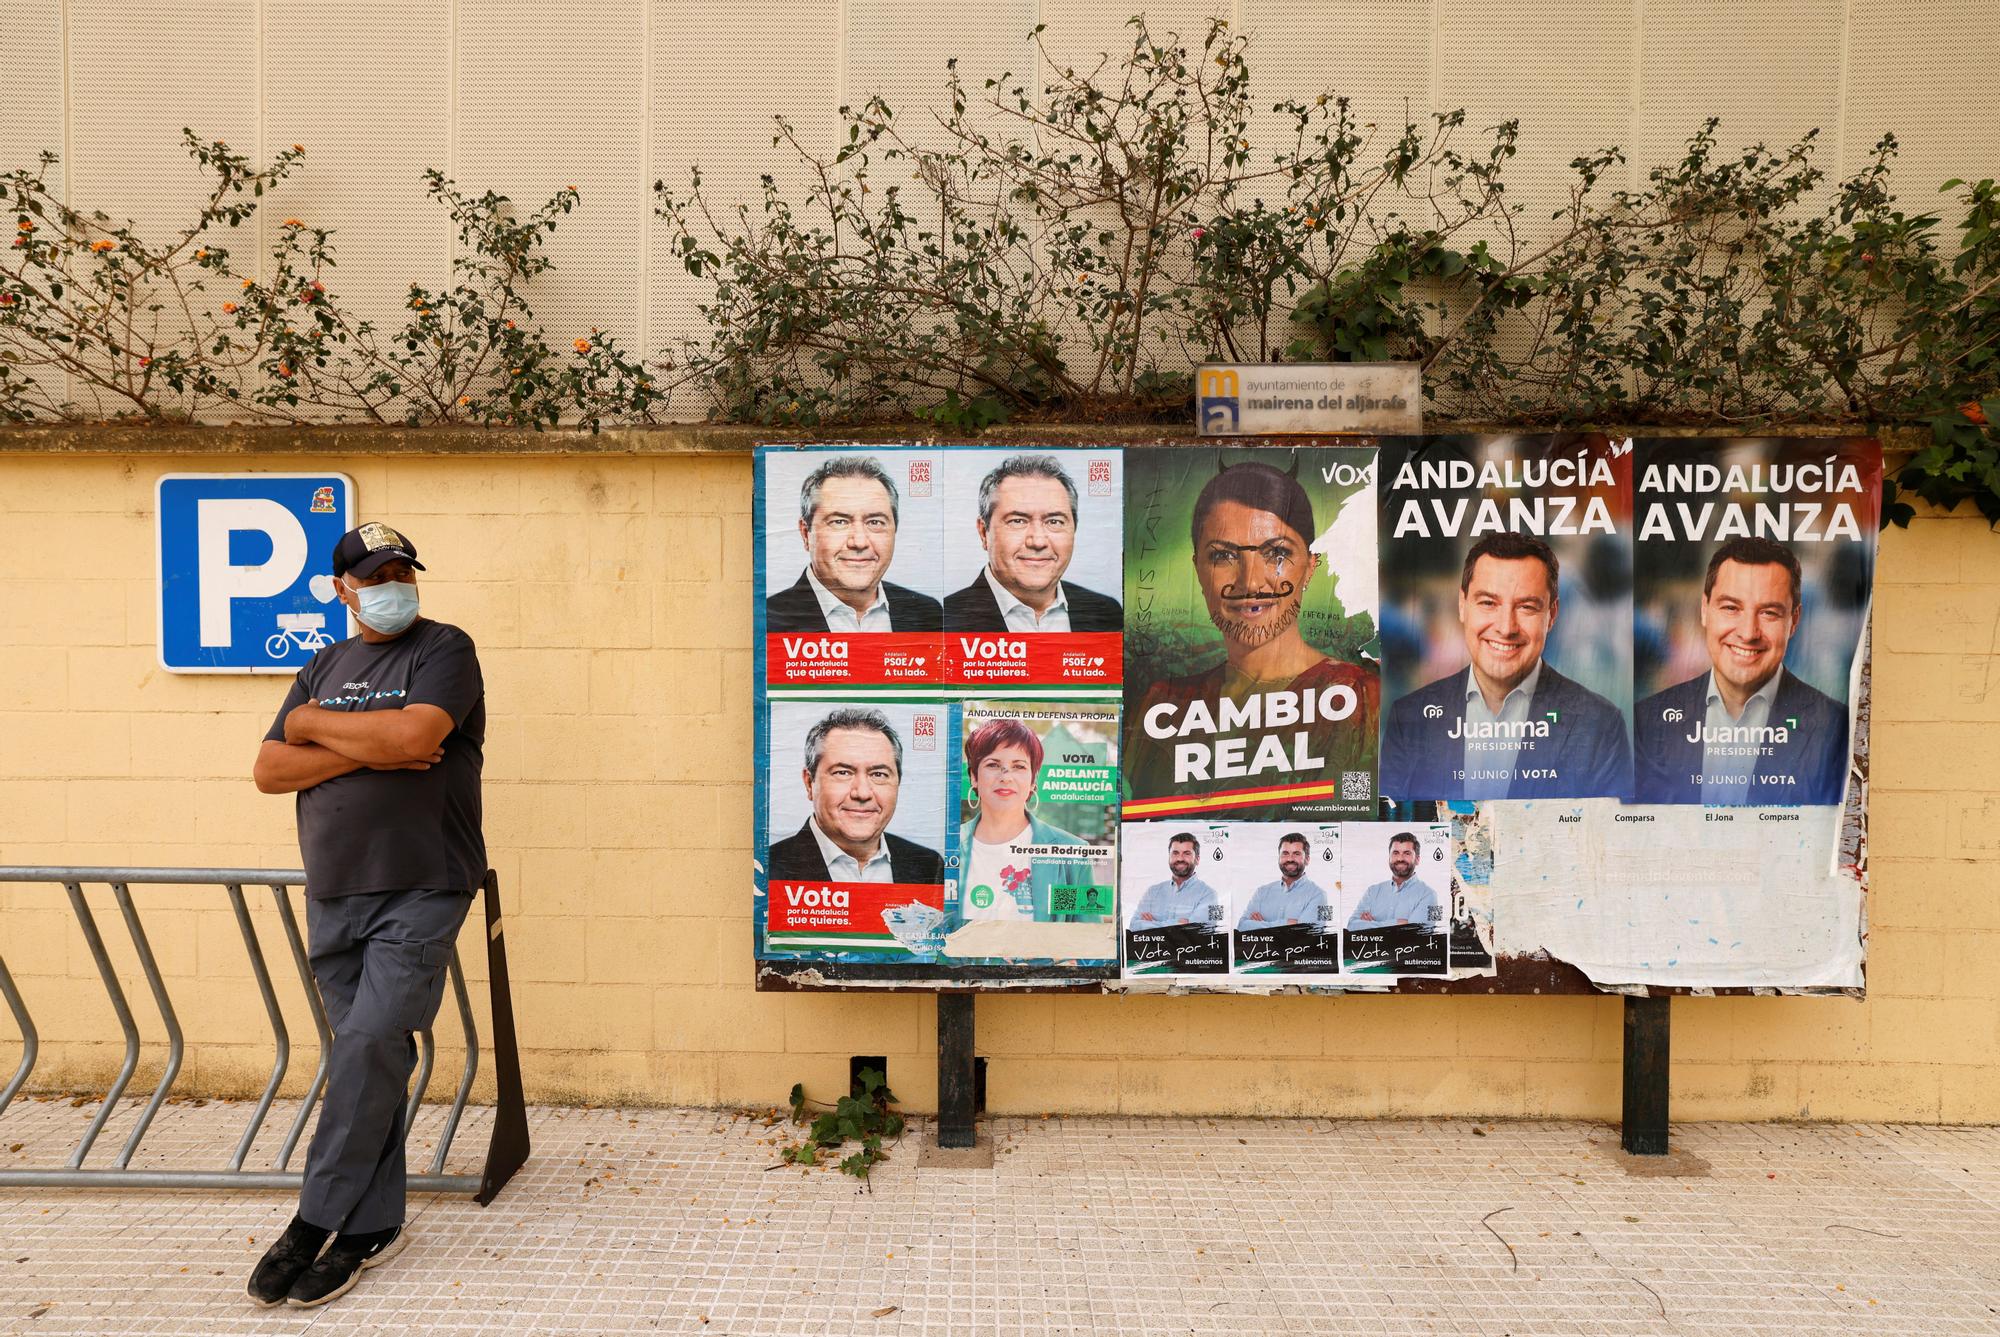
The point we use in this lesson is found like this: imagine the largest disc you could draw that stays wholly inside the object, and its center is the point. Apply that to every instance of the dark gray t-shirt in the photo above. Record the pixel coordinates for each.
(396, 830)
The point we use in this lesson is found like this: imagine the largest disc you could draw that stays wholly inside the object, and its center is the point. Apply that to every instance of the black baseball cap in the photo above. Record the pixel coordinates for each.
(364, 551)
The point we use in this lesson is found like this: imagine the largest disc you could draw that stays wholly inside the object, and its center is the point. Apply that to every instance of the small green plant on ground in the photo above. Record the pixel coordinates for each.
(865, 1117)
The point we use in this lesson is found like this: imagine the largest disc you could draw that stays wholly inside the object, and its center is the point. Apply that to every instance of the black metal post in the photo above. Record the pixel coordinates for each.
(1646, 1055)
(956, 1122)
(508, 1151)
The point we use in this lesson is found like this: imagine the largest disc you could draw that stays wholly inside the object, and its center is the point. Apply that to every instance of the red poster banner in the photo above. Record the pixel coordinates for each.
(1049, 659)
(824, 906)
(834, 659)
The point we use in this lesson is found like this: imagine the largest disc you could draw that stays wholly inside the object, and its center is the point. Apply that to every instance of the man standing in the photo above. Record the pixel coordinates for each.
(1403, 899)
(1027, 525)
(1746, 731)
(381, 738)
(853, 774)
(1294, 898)
(1507, 725)
(848, 511)
(1182, 898)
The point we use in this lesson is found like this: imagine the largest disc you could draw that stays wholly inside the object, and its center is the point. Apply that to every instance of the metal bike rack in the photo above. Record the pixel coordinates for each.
(505, 1153)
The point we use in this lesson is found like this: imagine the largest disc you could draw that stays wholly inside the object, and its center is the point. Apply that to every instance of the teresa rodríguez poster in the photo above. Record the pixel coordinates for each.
(1506, 616)
(1755, 562)
(1032, 862)
(1251, 682)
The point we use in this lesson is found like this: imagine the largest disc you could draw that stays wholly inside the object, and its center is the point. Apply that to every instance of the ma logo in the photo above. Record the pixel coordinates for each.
(1219, 393)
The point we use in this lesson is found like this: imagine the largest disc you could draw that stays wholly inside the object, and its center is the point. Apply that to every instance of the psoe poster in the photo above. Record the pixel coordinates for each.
(848, 580)
(1506, 603)
(1033, 560)
(1252, 687)
(1755, 564)
(851, 865)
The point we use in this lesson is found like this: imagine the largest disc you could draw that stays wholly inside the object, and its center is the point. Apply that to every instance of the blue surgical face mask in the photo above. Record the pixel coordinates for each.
(389, 608)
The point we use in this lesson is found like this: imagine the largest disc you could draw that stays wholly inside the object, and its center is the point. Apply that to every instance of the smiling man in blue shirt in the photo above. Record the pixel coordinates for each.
(1403, 899)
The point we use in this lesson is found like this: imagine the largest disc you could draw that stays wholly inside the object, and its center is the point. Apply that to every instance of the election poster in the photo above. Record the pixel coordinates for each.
(1506, 599)
(1252, 687)
(1754, 561)
(1031, 862)
(1170, 892)
(1396, 897)
(1284, 900)
(1033, 562)
(849, 586)
(852, 864)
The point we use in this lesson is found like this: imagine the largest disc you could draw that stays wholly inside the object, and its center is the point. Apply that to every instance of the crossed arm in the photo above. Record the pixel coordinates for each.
(321, 744)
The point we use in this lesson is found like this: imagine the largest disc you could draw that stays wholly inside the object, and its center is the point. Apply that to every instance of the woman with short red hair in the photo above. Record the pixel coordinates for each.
(1003, 879)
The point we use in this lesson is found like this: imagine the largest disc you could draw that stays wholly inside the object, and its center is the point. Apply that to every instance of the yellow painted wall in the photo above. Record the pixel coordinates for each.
(610, 598)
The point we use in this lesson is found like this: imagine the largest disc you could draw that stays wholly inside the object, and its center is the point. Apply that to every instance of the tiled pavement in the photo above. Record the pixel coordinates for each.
(647, 1221)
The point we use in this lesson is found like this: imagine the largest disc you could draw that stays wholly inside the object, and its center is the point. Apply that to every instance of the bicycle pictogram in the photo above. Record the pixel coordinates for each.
(301, 629)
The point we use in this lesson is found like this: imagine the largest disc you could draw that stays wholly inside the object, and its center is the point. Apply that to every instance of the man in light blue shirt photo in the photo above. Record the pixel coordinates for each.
(1403, 899)
(1293, 898)
(1182, 898)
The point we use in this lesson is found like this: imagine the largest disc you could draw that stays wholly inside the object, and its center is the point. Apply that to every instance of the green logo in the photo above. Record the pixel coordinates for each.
(982, 896)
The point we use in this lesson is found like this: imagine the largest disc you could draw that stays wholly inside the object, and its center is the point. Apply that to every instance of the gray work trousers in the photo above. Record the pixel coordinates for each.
(380, 961)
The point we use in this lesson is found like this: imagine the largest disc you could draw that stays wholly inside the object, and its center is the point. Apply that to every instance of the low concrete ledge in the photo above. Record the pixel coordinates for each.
(689, 438)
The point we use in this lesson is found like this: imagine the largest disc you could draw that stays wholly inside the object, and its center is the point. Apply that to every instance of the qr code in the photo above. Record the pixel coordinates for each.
(1062, 900)
(1356, 785)
(1215, 912)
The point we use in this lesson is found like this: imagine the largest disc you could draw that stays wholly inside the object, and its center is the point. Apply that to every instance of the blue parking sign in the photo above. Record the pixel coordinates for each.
(246, 569)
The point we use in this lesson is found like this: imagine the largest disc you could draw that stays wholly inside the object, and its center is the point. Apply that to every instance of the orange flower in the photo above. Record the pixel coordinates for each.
(201, 255)
(293, 222)
(228, 308)
(1973, 412)
(145, 362)
(246, 283)
(510, 324)
(298, 148)
(104, 245)
(464, 399)
(284, 369)
(583, 345)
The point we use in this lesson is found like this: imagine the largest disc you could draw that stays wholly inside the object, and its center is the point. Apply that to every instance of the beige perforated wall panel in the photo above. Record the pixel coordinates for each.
(717, 85)
(1770, 70)
(1924, 69)
(139, 71)
(525, 96)
(1566, 77)
(553, 95)
(383, 123)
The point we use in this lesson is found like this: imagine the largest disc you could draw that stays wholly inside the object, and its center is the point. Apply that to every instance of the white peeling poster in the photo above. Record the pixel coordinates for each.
(1755, 562)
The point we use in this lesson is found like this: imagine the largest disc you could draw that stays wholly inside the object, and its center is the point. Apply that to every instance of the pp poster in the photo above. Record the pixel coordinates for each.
(1251, 681)
(1755, 563)
(1506, 615)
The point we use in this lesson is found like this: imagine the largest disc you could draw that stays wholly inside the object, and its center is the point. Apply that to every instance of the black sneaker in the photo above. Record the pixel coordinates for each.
(336, 1271)
(285, 1262)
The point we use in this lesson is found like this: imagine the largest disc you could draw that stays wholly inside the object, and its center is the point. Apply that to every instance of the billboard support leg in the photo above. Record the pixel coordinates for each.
(1646, 1057)
(956, 1117)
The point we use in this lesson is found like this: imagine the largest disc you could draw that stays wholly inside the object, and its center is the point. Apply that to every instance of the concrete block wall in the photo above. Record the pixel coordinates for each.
(610, 597)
